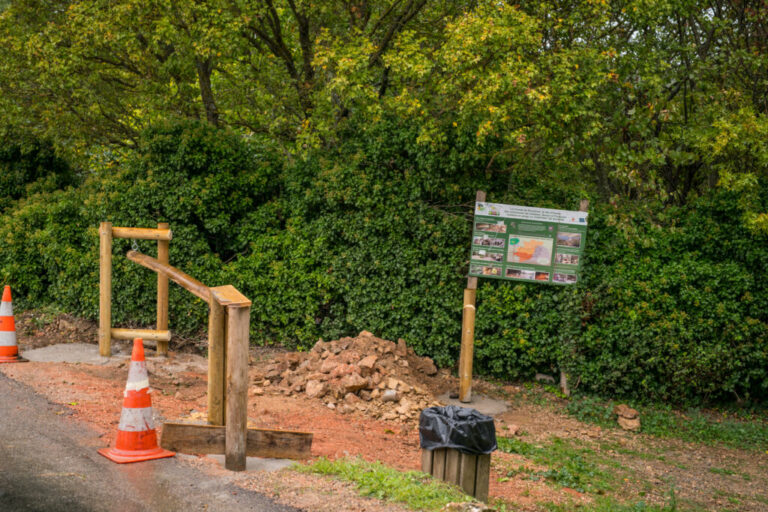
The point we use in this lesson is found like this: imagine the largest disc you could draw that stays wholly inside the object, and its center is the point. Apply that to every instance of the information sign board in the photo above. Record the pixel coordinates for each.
(527, 244)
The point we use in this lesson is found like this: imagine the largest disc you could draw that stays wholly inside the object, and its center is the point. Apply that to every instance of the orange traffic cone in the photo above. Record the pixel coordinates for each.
(9, 350)
(136, 435)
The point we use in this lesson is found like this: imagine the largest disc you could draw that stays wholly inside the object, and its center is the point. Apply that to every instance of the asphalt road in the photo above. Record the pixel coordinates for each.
(48, 462)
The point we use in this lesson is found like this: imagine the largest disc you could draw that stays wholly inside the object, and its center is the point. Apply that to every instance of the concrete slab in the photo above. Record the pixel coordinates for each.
(68, 353)
(482, 404)
(257, 463)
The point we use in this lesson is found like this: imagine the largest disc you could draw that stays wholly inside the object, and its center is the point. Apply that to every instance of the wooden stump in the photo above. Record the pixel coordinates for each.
(470, 472)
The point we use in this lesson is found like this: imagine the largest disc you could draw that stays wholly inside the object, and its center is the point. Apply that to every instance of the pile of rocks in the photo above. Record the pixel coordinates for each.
(367, 374)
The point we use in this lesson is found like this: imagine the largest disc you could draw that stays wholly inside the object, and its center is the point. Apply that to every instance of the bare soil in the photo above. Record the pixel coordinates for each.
(94, 394)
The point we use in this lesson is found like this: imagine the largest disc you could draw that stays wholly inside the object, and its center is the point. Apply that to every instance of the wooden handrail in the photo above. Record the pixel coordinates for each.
(186, 281)
(142, 233)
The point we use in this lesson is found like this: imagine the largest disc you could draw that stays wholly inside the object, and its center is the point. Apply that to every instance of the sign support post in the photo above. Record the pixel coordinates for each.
(583, 207)
(524, 244)
(468, 331)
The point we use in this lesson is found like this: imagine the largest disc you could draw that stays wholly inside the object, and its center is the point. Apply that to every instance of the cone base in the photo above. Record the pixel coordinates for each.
(125, 456)
(13, 359)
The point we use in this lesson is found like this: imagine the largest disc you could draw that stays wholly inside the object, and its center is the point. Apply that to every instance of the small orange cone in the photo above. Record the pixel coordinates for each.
(9, 350)
(136, 435)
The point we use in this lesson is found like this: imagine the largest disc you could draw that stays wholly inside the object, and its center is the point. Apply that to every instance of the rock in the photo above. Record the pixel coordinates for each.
(343, 370)
(64, 324)
(316, 389)
(392, 383)
(319, 346)
(351, 399)
(513, 430)
(632, 424)
(401, 349)
(390, 395)
(375, 393)
(293, 359)
(328, 365)
(331, 405)
(273, 371)
(353, 382)
(365, 395)
(388, 416)
(427, 366)
(257, 391)
(365, 334)
(405, 407)
(625, 411)
(368, 362)
(543, 377)
(350, 356)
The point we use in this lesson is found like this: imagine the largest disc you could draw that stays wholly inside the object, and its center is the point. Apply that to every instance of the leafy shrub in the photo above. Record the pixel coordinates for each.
(29, 165)
(374, 235)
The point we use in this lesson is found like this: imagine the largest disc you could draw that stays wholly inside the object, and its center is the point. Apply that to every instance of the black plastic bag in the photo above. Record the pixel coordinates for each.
(455, 427)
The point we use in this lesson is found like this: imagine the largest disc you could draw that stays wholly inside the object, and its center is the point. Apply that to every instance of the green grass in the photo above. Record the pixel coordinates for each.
(694, 425)
(606, 504)
(569, 464)
(414, 489)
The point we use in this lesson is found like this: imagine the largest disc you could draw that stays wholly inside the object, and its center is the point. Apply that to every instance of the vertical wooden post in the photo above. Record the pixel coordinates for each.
(237, 387)
(162, 292)
(468, 331)
(105, 289)
(217, 320)
(564, 388)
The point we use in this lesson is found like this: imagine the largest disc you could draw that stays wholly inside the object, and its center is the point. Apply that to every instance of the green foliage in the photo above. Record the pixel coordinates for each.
(569, 465)
(372, 235)
(734, 430)
(29, 165)
(417, 490)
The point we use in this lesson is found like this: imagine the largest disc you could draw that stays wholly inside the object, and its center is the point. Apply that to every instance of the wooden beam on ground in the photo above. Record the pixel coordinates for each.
(210, 439)
(186, 281)
(142, 233)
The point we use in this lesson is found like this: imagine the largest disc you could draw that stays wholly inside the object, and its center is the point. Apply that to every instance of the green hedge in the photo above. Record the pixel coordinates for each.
(374, 235)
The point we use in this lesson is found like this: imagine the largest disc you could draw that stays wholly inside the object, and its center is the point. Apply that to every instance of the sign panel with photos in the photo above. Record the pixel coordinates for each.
(527, 244)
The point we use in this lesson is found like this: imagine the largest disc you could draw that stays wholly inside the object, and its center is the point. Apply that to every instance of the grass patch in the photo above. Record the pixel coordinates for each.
(415, 489)
(569, 465)
(721, 471)
(694, 425)
(608, 504)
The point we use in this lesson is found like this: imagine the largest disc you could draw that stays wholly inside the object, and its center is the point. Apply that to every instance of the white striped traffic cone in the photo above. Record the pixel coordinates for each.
(9, 350)
(136, 436)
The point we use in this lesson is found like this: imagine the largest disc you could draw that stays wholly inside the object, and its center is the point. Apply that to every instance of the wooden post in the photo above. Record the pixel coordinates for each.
(217, 320)
(237, 387)
(105, 289)
(162, 291)
(468, 331)
(564, 388)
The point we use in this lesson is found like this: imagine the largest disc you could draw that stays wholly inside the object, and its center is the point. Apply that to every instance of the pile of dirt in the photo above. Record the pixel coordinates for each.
(37, 329)
(376, 377)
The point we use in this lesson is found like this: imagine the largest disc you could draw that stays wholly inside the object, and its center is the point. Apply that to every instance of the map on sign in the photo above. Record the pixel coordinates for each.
(534, 251)
(527, 244)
